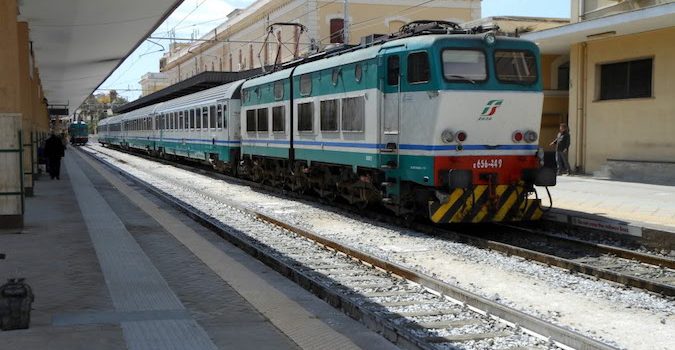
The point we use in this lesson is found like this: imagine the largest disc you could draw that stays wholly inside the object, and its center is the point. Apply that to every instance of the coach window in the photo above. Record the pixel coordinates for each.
(393, 70)
(219, 116)
(212, 117)
(278, 118)
(329, 115)
(263, 124)
(205, 118)
(250, 120)
(418, 68)
(305, 84)
(464, 66)
(353, 113)
(198, 118)
(306, 116)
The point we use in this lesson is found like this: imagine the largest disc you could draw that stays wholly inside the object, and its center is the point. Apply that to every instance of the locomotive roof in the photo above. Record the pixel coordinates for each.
(363, 54)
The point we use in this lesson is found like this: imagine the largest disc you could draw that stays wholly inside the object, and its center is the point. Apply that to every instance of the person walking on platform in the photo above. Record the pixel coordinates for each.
(562, 145)
(54, 151)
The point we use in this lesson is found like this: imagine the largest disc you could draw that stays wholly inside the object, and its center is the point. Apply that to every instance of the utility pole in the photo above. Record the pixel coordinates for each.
(345, 23)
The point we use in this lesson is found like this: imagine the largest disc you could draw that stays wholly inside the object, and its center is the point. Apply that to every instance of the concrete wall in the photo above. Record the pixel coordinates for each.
(632, 129)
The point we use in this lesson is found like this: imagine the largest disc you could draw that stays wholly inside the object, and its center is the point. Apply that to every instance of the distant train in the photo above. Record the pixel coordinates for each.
(78, 132)
(437, 121)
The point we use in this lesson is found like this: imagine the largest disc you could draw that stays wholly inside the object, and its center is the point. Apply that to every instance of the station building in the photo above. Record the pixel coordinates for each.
(239, 43)
(620, 56)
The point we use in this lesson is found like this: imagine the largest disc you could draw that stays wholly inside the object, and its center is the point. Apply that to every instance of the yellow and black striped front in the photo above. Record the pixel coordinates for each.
(483, 204)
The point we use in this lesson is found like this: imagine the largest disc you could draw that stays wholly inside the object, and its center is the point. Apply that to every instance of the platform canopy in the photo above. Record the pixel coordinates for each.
(558, 40)
(78, 43)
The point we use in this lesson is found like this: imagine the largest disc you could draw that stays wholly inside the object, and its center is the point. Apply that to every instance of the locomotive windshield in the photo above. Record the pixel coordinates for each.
(464, 65)
(515, 67)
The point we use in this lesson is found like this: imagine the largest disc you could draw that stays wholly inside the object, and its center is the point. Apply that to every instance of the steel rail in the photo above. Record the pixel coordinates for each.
(548, 259)
(650, 259)
(557, 334)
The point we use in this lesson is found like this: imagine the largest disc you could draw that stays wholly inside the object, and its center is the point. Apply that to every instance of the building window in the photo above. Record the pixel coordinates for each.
(631, 79)
(393, 70)
(250, 120)
(305, 116)
(336, 30)
(262, 120)
(306, 85)
(329, 115)
(353, 113)
(278, 118)
(418, 67)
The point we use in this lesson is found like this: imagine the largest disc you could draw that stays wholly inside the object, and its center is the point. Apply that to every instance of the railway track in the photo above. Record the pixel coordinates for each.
(630, 268)
(411, 309)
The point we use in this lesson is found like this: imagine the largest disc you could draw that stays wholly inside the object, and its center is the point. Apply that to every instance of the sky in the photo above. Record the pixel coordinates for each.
(200, 16)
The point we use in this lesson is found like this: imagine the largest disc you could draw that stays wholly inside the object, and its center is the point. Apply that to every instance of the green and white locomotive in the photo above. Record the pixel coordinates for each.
(436, 121)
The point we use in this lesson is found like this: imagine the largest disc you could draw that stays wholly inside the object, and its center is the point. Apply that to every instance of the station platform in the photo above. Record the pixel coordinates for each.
(112, 267)
(628, 207)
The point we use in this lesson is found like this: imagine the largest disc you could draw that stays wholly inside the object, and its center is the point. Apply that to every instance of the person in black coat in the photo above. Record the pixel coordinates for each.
(562, 146)
(54, 151)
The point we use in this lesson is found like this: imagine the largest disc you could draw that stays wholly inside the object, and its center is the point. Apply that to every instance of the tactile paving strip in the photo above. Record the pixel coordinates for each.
(133, 281)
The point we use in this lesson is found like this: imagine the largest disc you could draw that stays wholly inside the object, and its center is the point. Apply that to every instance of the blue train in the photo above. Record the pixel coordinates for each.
(435, 121)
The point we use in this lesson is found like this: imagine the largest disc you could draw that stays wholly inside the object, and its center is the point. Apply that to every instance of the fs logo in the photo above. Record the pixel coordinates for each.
(490, 109)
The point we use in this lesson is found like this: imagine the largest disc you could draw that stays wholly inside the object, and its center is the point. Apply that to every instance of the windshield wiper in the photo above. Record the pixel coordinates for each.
(463, 78)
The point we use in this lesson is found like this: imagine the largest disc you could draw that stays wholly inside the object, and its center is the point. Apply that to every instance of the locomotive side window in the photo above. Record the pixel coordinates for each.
(466, 66)
(306, 116)
(278, 118)
(278, 90)
(353, 113)
(263, 125)
(250, 120)
(329, 115)
(358, 72)
(212, 117)
(306, 85)
(393, 70)
(418, 67)
(515, 67)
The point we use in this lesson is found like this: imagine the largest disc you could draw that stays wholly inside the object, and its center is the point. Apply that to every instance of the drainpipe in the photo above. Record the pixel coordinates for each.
(581, 108)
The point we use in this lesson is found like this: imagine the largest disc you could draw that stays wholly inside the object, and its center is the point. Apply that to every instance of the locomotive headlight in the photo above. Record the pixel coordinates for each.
(530, 136)
(447, 136)
(489, 38)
